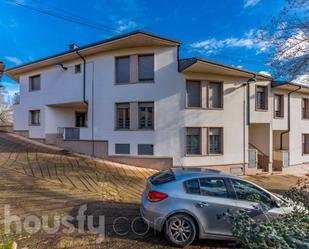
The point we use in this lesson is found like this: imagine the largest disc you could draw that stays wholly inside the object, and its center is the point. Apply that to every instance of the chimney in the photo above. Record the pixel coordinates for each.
(73, 46)
(1, 69)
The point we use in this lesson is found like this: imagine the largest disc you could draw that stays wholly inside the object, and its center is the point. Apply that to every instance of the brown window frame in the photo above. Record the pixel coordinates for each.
(303, 109)
(153, 115)
(281, 105)
(304, 151)
(266, 98)
(117, 127)
(31, 82)
(222, 96)
(200, 142)
(30, 117)
(188, 81)
(221, 141)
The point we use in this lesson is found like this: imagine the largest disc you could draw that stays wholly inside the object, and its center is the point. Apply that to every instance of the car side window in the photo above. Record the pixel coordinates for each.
(248, 192)
(207, 186)
(213, 187)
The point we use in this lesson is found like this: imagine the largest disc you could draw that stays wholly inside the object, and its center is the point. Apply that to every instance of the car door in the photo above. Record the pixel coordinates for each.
(211, 198)
(256, 202)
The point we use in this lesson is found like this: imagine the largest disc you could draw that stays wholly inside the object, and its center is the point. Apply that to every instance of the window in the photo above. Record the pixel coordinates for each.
(213, 187)
(34, 117)
(305, 143)
(193, 142)
(278, 106)
(145, 149)
(193, 186)
(35, 83)
(123, 116)
(123, 70)
(305, 108)
(80, 119)
(146, 115)
(163, 177)
(248, 192)
(146, 67)
(261, 98)
(215, 95)
(215, 141)
(193, 94)
(122, 148)
(77, 68)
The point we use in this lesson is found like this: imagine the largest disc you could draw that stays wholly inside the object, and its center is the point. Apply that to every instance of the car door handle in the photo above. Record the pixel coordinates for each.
(202, 204)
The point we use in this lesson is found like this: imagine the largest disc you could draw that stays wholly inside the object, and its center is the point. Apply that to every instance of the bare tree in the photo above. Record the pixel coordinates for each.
(288, 38)
(5, 108)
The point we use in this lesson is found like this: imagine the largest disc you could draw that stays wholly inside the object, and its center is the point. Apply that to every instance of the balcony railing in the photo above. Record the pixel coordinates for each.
(69, 133)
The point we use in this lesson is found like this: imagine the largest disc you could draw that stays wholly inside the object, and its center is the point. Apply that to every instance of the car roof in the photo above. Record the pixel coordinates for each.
(186, 173)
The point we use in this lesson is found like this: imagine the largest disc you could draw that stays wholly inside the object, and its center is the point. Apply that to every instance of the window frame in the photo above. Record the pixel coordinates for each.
(138, 151)
(221, 93)
(266, 98)
(86, 119)
(303, 109)
(281, 96)
(31, 83)
(30, 117)
(188, 81)
(138, 75)
(116, 116)
(116, 70)
(304, 152)
(221, 141)
(146, 116)
(77, 68)
(230, 191)
(125, 154)
(200, 141)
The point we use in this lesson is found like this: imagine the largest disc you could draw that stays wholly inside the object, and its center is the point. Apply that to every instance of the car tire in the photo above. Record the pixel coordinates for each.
(180, 230)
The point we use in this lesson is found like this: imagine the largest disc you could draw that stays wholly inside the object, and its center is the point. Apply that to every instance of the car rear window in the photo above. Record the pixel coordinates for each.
(162, 177)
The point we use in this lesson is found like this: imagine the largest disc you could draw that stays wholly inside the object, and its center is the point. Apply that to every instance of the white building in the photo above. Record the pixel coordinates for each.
(131, 99)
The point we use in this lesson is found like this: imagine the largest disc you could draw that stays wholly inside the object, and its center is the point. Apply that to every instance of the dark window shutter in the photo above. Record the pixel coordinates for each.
(193, 94)
(145, 67)
(123, 69)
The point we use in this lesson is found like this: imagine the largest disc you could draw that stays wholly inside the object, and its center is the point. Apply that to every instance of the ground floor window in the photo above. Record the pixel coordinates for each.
(145, 149)
(305, 143)
(215, 140)
(80, 119)
(34, 117)
(122, 149)
(193, 140)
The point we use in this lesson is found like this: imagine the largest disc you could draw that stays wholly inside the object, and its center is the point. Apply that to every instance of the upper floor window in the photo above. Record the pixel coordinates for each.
(305, 108)
(146, 67)
(305, 139)
(193, 93)
(215, 141)
(215, 95)
(278, 106)
(193, 141)
(77, 68)
(123, 116)
(146, 115)
(34, 117)
(34, 83)
(123, 70)
(80, 119)
(261, 98)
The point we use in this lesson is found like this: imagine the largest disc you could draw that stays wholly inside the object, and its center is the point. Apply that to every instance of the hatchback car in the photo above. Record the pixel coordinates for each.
(183, 203)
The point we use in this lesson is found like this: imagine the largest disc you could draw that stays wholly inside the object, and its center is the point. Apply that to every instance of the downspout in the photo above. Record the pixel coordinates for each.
(289, 118)
(84, 76)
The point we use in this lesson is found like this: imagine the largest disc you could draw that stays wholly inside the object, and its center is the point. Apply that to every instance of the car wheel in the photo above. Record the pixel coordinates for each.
(180, 230)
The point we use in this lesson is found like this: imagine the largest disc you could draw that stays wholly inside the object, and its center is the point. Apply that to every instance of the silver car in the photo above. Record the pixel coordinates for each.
(183, 203)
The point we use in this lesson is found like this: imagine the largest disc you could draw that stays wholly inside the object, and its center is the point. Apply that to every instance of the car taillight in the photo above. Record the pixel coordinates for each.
(156, 196)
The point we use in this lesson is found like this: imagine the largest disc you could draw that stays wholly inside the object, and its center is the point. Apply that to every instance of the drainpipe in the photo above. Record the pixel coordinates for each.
(289, 119)
(84, 76)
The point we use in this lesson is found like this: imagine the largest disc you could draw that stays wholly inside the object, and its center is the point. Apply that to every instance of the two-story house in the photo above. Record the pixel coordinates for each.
(131, 99)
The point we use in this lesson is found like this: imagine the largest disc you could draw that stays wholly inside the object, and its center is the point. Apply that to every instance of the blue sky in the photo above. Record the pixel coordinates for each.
(219, 30)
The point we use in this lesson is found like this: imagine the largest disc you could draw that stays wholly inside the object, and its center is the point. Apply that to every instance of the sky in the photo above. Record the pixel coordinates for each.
(220, 30)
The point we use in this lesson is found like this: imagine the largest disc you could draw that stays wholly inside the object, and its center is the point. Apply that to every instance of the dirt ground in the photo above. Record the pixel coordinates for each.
(41, 181)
